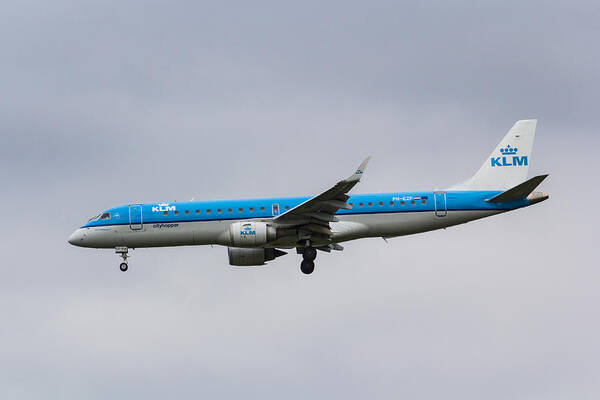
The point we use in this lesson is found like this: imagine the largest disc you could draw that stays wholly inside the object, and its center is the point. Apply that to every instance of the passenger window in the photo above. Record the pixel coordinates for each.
(208, 211)
(412, 202)
(165, 213)
(240, 209)
(251, 209)
(360, 204)
(176, 212)
(370, 204)
(229, 210)
(423, 201)
(219, 211)
(105, 216)
(287, 207)
(391, 203)
(380, 203)
(262, 209)
(187, 211)
(197, 211)
(402, 203)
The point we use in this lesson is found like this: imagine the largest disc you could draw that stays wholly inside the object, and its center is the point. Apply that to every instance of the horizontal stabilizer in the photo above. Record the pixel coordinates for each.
(518, 192)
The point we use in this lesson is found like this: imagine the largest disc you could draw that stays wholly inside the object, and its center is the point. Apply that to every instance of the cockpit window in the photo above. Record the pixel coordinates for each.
(105, 216)
(95, 217)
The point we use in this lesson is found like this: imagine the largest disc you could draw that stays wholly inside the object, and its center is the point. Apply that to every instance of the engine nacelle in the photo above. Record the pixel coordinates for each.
(251, 234)
(247, 257)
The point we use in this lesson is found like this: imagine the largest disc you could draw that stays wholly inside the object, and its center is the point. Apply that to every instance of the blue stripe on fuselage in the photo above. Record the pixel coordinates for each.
(153, 213)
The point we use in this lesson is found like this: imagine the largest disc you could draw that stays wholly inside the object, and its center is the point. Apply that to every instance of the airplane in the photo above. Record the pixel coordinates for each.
(256, 230)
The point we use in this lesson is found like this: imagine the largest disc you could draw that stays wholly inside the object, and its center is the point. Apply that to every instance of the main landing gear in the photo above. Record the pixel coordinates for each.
(122, 251)
(309, 254)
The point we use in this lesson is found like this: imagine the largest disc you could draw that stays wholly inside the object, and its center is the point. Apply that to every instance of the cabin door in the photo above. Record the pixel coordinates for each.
(440, 204)
(275, 209)
(135, 217)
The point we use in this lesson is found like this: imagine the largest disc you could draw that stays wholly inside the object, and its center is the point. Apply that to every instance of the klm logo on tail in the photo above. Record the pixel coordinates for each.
(509, 158)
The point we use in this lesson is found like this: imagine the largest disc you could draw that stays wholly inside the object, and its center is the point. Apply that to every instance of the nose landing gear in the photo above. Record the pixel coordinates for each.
(123, 252)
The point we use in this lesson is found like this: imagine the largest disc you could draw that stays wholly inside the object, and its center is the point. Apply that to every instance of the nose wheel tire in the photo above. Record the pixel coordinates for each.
(307, 267)
(123, 267)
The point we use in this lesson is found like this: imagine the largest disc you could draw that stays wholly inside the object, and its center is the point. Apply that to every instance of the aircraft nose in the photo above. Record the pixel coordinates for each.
(77, 237)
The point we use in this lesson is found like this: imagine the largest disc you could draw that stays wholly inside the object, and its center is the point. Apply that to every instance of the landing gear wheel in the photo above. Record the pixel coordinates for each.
(309, 253)
(307, 267)
(123, 253)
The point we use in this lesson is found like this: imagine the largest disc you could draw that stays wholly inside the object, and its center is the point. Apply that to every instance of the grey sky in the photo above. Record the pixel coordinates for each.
(108, 103)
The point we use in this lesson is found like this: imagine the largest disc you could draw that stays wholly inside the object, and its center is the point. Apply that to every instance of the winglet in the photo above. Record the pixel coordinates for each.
(359, 171)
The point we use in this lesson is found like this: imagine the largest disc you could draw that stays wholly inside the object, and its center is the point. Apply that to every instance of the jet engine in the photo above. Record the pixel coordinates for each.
(247, 257)
(251, 234)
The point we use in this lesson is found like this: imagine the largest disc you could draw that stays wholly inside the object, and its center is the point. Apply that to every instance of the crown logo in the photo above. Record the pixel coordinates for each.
(508, 151)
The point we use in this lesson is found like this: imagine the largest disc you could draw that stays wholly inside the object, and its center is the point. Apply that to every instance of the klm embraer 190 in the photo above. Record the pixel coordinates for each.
(256, 230)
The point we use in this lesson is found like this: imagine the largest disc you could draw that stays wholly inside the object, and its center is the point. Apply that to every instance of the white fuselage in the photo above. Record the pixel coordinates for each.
(349, 227)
